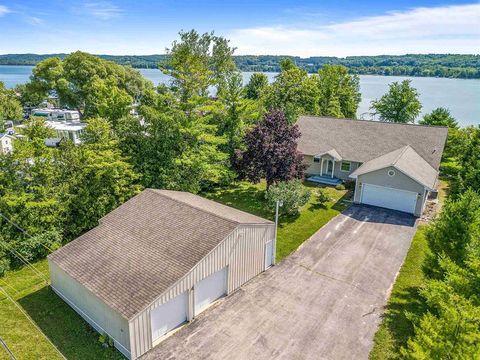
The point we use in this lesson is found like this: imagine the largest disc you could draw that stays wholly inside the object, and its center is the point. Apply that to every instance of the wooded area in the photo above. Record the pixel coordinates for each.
(435, 65)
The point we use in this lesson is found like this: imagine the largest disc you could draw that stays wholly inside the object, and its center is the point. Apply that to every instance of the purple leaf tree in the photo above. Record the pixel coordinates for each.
(271, 151)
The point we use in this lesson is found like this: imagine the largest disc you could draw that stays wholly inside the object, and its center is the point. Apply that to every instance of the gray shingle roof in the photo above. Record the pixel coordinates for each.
(407, 161)
(362, 141)
(144, 246)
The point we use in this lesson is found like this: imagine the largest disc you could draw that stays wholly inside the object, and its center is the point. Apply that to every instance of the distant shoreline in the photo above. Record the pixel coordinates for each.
(455, 66)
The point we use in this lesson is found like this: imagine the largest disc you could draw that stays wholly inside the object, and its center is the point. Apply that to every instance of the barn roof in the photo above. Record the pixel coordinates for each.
(144, 246)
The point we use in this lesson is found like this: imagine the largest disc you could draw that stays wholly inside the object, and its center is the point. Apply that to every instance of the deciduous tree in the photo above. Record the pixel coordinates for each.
(400, 104)
(271, 151)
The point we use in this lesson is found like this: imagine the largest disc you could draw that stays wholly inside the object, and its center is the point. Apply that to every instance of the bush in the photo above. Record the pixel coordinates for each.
(349, 185)
(291, 193)
(38, 246)
(4, 264)
(322, 198)
(340, 187)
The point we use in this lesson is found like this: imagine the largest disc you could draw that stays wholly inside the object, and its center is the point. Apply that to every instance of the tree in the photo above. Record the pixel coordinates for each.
(293, 92)
(451, 234)
(469, 160)
(400, 104)
(96, 178)
(339, 94)
(256, 86)
(10, 107)
(291, 193)
(440, 117)
(93, 86)
(271, 151)
(197, 62)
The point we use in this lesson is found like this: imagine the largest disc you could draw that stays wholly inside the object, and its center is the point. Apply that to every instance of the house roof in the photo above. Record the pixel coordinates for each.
(405, 160)
(362, 141)
(144, 246)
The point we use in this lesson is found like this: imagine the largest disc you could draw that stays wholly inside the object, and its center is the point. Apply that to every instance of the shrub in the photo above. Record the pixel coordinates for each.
(4, 262)
(38, 246)
(349, 185)
(291, 193)
(322, 197)
(340, 187)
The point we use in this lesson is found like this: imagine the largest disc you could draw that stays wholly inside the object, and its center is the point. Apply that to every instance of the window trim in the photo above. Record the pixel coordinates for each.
(349, 166)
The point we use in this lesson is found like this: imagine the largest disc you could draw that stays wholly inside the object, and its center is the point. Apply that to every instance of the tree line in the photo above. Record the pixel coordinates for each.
(434, 65)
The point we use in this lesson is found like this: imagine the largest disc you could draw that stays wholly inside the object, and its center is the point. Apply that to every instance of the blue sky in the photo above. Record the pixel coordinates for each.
(304, 28)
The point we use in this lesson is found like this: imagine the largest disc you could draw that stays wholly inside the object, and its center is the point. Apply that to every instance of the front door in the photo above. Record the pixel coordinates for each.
(329, 167)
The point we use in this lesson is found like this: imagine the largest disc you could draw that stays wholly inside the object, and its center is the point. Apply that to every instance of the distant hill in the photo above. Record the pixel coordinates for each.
(439, 65)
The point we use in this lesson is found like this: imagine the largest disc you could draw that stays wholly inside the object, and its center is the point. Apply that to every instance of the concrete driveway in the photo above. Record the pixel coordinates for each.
(322, 302)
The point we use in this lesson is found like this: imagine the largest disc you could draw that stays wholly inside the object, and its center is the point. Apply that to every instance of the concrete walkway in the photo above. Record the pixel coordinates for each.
(322, 302)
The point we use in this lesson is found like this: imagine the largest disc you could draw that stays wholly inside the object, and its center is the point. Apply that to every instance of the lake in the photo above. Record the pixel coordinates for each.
(461, 96)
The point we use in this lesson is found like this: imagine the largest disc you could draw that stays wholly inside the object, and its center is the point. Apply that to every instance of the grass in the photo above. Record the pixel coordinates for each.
(395, 329)
(292, 230)
(74, 337)
(64, 327)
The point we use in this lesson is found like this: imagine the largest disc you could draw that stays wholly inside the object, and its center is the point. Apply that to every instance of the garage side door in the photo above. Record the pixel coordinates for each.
(168, 316)
(389, 198)
(210, 289)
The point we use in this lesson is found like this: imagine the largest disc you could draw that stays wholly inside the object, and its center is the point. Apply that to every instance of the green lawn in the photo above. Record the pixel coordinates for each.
(292, 230)
(395, 328)
(74, 337)
(67, 330)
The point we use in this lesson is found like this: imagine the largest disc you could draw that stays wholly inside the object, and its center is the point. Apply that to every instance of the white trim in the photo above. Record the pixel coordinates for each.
(349, 166)
(92, 322)
(321, 168)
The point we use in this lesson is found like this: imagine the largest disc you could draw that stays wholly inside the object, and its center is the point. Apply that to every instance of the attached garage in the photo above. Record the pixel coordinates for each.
(399, 180)
(156, 262)
(390, 198)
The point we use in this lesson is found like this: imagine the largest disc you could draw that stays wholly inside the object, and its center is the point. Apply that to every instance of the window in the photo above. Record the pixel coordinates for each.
(391, 172)
(345, 166)
(317, 160)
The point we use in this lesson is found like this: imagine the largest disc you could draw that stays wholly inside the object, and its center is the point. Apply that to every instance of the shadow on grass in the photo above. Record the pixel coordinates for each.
(403, 302)
(74, 337)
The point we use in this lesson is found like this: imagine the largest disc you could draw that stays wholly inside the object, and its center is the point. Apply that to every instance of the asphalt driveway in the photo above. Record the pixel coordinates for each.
(322, 302)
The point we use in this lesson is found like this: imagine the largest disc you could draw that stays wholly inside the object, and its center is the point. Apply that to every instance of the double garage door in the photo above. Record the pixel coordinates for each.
(173, 313)
(389, 198)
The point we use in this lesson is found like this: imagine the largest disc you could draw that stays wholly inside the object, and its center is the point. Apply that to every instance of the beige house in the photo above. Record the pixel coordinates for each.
(394, 165)
(156, 262)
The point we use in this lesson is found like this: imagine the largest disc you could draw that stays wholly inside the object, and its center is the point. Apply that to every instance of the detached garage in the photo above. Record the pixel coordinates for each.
(158, 261)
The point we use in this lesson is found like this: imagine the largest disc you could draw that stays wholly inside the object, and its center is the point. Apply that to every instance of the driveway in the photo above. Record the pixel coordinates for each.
(322, 302)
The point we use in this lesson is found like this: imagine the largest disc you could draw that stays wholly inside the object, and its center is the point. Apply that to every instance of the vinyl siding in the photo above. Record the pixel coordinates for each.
(313, 168)
(98, 314)
(243, 252)
(399, 181)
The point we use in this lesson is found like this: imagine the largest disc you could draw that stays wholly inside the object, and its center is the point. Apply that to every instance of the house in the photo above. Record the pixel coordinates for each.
(394, 165)
(6, 143)
(156, 262)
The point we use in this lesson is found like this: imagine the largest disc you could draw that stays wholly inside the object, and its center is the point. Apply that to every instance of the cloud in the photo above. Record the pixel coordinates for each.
(103, 10)
(4, 10)
(33, 20)
(444, 29)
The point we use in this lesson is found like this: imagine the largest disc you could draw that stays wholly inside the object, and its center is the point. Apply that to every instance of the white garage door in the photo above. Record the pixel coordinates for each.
(168, 316)
(389, 198)
(210, 289)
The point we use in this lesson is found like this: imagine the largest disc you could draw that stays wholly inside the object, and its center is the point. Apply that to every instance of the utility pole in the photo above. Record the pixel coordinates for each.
(278, 205)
